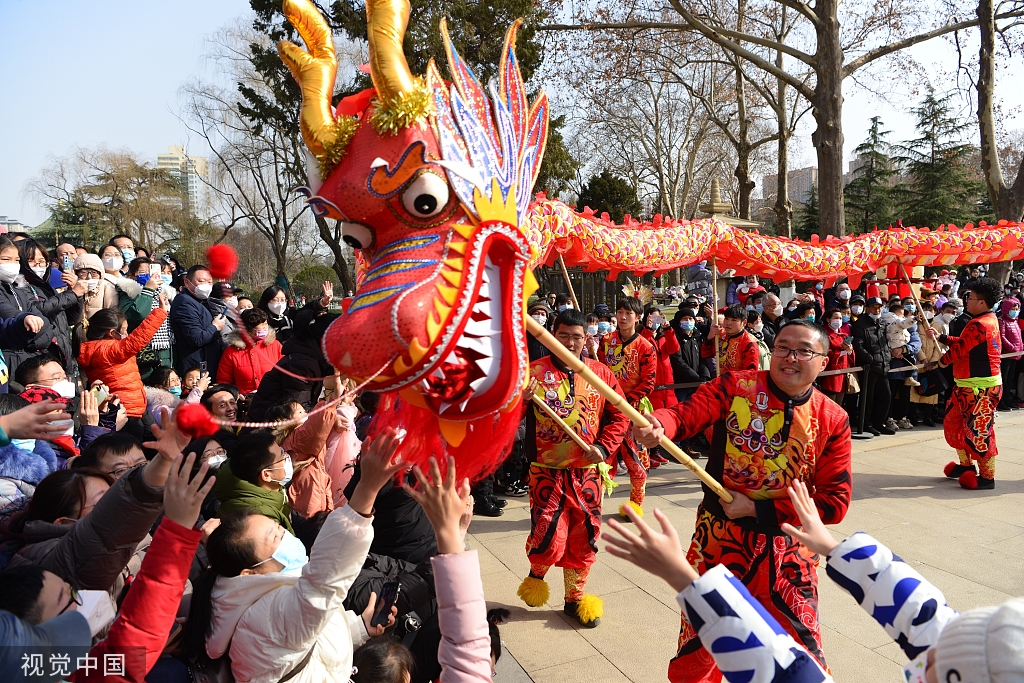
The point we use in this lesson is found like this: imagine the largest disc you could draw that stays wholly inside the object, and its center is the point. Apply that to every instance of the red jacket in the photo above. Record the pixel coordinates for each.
(113, 363)
(147, 614)
(735, 353)
(975, 353)
(837, 359)
(244, 364)
(634, 363)
(763, 440)
(664, 346)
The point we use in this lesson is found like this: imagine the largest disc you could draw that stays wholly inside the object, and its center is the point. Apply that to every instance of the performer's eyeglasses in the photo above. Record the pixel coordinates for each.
(780, 351)
(565, 338)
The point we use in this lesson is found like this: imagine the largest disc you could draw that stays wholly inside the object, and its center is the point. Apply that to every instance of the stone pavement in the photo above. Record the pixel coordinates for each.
(969, 544)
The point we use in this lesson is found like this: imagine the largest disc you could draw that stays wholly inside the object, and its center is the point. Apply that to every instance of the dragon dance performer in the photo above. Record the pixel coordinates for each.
(565, 481)
(737, 350)
(770, 428)
(634, 362)
(974, 355)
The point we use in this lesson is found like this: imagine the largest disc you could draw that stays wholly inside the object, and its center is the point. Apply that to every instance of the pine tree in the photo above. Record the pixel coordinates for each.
(869, 196)
(608, 192)
(941, 186)
(807, 219)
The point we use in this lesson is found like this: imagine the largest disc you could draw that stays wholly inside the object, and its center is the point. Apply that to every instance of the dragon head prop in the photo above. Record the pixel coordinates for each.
(432, 181)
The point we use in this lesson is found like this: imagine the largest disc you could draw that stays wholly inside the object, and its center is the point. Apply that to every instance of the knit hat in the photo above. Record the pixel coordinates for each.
(687, 312)
(985, 645)
(90, 261)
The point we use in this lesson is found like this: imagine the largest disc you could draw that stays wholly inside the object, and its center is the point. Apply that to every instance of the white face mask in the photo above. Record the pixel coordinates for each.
(844, 294)
(203, 291)
(758, 326)
(233, 302)
(113, 263)
(277, 307)
(91, 285)
(65, 388)
(592, 330)
(946, 317)
(9, 271)
(40, 271)
(98, 610)
(856, 310)
(215, 461)
(541, 319)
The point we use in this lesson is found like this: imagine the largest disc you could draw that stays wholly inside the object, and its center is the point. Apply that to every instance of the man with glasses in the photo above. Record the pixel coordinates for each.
(770, 428)
(566, 480)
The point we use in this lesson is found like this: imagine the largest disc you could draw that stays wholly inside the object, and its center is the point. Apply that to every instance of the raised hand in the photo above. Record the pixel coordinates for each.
(444, 502)
(654, 552)
(813, 533)
(183, 498)
(43, 420)
(377, 464)
(168, 446)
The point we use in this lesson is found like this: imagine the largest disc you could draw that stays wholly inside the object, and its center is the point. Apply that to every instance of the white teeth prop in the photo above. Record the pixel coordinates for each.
(438, 373)
(444, 407)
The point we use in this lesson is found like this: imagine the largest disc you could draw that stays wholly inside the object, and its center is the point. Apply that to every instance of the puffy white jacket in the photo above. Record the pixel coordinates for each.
(268, 622)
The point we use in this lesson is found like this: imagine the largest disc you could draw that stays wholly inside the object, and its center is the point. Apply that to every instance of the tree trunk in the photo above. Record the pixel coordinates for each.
(338, 251)
(743, 147)
(828, 114)
(783, 206)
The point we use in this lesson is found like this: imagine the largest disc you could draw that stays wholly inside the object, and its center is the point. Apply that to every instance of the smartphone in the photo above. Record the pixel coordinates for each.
(848, 340)
(67, 263)
(388, 597)
(202, 367)
(100, 393)
(154, 270)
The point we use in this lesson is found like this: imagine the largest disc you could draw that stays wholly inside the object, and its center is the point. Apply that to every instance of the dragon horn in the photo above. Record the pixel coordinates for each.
(386, 21)
(314, 71)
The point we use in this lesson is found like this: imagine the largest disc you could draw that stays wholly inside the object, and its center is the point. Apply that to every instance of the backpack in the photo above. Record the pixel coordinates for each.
(764, 354)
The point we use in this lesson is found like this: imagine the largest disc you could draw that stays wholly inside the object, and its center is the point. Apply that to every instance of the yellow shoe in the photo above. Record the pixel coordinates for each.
(629, 504)
(588, 611)
(534, 591)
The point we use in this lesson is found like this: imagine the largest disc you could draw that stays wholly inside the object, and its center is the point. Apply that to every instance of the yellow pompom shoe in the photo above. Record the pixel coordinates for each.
(534, 591)
(588, 611)
(630, 504)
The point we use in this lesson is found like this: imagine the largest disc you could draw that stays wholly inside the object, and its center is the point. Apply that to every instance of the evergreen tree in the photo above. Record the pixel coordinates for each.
(869, 196)
(607, 192)
(807, 218)
(941, 187)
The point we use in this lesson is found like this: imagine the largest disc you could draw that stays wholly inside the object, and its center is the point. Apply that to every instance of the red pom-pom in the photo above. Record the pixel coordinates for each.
(948, 469)
(223, 261)
(196, 421)
(969, 480)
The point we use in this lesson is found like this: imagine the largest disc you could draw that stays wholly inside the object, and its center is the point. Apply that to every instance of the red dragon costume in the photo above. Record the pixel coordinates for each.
(762, 440)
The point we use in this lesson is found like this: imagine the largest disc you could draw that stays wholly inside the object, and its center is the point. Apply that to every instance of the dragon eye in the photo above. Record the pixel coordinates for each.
(355, 235)
(426, 196)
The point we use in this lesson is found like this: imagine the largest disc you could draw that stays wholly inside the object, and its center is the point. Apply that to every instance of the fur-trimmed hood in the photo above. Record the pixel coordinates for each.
(234, 338)
(31, 466)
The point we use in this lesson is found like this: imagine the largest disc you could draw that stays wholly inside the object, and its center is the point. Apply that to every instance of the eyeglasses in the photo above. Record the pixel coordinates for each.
(780, 351)
(210, 454)
(565, 338)
(119, 472)
(76, 599)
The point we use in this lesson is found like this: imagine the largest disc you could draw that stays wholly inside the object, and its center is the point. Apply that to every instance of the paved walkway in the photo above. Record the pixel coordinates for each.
(969, 544)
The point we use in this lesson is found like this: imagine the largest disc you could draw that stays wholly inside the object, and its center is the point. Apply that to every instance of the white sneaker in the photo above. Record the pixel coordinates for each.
(904, 423)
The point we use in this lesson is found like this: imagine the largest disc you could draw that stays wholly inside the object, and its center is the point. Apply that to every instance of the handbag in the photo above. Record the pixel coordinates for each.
(851, 385)
(147, 358)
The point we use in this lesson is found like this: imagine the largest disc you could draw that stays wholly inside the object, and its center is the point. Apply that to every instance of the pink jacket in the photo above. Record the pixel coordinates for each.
(342, 451)
(1009, 329)
(465, 650)
(310, 491)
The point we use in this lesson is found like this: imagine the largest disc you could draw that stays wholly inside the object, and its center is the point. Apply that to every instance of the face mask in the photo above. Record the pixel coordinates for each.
(686, 325)
(97, 608)
(175, 391)
(64, 387)
(25, 444)
(91, 285)
(873, 316)
(1007, 291)
(960, 311)
(819, 286)
(142, 278)
(215, 461)
(541, 319)
(288, 472)
(40, 272)
(113, 263)
(844, 294)
(128, 254)
(750, 307)
(846, 318)
(928, 315)
(563, 307)
(233, 302)
(9, 271)
(758, 326)
(835, 324)
(759, 308)
(292, 554)
(946, 317)
(811, 317)
(261, 334)
(856, 310)
(1013, 314)
(910, 308)
(604, 328)
(777, 311)
(791, 309)
(592, 330)
(166, 278)
(202, 292)
(277, 307)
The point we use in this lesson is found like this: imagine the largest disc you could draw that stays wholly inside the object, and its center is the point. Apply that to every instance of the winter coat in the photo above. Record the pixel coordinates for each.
(465, 650)
(342, 451)
(13, 335)
(244, 363)
(104, 549)
(268, 623)
(665, 346)
(63, 310)
(67, 633)
(310, 490)
(20, 471)
(401, 528)
(909, 359)
(303, 357)
(136, 302)
(870, 345)
(14, 302)
(150, 607)
(237, 494)
(219, 307)
(1009, 329)
(689, 367)
(698, 281)
(114, 363)
(837, 359)
(197, 340)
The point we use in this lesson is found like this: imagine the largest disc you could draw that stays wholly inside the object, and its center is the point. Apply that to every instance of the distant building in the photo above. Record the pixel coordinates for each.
(800, 183)
(193, 172)
(11, 225)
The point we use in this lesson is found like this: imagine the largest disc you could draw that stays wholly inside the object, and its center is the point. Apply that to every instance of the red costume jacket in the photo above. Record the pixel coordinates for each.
(975, 353)
(633, 362)
(837, 358)
(581, 407)
(664, 346)
(763, 440)
(738, 352)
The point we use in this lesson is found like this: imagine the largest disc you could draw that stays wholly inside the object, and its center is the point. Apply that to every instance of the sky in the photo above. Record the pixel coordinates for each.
(107, 72)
